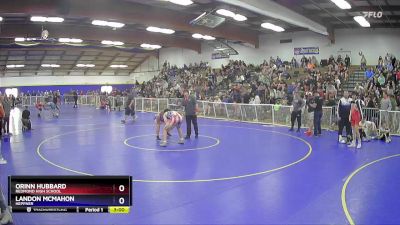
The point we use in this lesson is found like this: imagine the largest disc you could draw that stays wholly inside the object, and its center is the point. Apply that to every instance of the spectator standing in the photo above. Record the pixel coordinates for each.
(26, 122)
(317, 114)
(310, 107)
(130, 106)
(2, 114)
(190, 104)
(75, 95)
(347, 61)
(298, 104)
(393, 101)
(363, 62)
(7, 109)
(386, 106)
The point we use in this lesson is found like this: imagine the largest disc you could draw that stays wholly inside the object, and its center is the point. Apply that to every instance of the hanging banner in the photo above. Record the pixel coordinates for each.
(306, 51)
(219, 55)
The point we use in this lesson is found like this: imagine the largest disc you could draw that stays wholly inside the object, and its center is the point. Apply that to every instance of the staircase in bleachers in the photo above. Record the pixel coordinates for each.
(357, 77)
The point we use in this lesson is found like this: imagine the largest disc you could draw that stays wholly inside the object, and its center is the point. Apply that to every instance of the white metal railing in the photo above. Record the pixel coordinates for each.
(260, 113)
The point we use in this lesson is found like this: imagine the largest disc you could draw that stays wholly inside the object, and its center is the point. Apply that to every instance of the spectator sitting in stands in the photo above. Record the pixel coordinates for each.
(369, 73)
(331, 60)
(337, 82)
(381, 80)
(310, 67)
(331, 90)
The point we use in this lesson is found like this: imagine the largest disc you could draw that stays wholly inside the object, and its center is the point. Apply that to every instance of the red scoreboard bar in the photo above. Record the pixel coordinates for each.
(82, 194)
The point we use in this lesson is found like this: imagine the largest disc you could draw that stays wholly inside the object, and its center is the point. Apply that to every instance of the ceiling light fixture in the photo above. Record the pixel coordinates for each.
(205, 37)
(107, 23)
(343, 4)
(107, 42)
(15, 66)
(51, 65)
(197, 36)
(150, 46)
(160, 30)
(19, 39)
(273, 27)
(362, 21)
(85, 65)
(239, 17)
(208, 37)
(1, 18)
(70, 40)
(181, 2)
(47, 19)
(118, 66)
(227, 13)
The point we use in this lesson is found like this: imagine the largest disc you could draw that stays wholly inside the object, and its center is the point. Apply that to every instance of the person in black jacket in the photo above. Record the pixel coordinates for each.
(75, 95)
(190, 104)
(317, 114)
(26, 121)
(347, 61)
(130, 106)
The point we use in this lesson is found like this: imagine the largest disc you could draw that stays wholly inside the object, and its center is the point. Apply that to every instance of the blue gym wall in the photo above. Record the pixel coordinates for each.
(67, 88)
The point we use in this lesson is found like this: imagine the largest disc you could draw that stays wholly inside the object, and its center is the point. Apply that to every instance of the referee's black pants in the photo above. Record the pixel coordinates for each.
(296, 115)
(189, 120)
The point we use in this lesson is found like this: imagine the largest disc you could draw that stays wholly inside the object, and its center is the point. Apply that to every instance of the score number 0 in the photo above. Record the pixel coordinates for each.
(121, 200)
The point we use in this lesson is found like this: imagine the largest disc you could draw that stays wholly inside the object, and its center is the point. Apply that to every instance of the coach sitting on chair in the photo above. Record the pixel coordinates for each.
(190, 104)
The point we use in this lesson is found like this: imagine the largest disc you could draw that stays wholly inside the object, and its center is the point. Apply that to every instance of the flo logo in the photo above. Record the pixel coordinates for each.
(373, 14)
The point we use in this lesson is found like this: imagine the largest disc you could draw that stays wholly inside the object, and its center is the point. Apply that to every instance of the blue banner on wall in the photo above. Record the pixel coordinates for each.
(67, 88)
(306, 51)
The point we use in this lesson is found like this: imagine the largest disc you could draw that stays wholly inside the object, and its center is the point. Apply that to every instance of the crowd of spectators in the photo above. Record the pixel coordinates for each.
(275, 81)
(271, 82)
(384, 77)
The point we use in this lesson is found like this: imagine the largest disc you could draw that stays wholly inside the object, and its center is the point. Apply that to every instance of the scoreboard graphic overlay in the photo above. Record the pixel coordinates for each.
(75, 194)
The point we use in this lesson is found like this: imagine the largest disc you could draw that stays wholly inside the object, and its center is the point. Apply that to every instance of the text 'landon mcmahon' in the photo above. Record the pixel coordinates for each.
(44, 198)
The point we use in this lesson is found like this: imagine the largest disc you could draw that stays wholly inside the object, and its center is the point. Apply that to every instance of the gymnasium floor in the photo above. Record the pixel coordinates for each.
(235, 173)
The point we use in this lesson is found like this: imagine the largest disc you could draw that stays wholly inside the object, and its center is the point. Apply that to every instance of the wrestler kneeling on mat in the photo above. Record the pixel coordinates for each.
(159, 119)
(172, 119)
